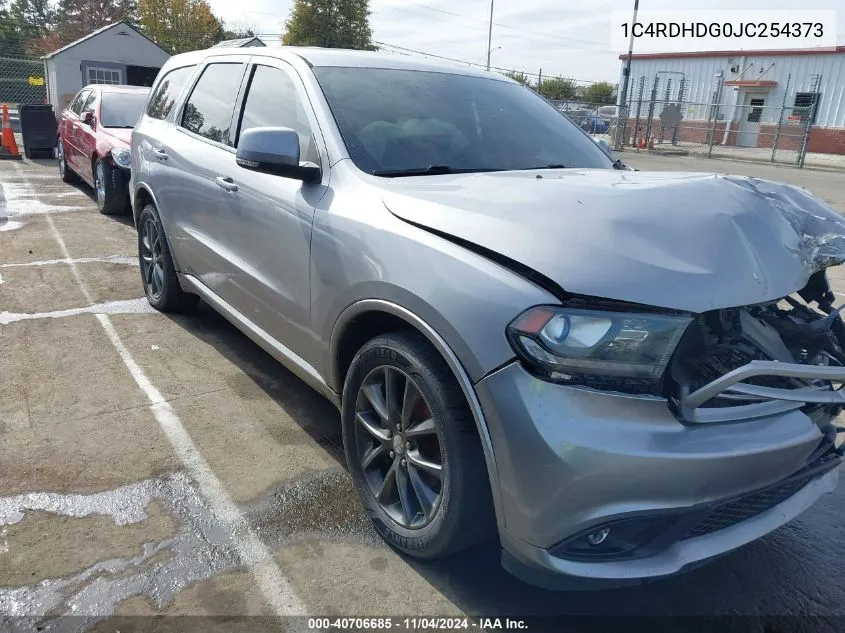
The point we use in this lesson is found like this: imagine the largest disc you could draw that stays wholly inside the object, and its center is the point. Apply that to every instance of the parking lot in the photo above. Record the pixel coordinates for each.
(154, 464)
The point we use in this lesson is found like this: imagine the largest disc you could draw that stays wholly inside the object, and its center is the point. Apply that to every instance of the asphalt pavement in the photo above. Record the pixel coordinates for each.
(154, 464)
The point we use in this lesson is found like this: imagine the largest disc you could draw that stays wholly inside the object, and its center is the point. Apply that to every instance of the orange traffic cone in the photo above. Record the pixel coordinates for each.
(8, 148)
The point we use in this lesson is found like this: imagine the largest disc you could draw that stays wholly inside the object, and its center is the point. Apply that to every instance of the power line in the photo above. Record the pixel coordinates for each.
(504, 26)
(468, 63)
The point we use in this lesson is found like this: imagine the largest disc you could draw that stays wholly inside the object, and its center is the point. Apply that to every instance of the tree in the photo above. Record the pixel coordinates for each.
(237, 30)
(519, 76)
(558, 89)
(180, 25)
(10, 39)
(329, 23)
(600, 93)
(35, 20)
(77, 18)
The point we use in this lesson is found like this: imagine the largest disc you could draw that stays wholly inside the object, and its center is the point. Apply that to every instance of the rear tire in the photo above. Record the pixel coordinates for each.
(158, 274)
(110, 187)
(434, 517)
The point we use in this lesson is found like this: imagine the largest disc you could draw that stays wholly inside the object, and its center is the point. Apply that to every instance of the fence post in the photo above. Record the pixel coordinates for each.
(780, 118)
(662, 133)
(712, 116)
(639, 112)
(621, 122)
(681, 87)
(805, 141)
(651, 104)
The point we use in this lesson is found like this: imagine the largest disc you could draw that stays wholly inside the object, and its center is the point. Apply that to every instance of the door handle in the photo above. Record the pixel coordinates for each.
(160, 154)
(227, 183)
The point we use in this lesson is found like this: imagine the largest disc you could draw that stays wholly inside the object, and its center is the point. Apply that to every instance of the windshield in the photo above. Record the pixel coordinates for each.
(121, 109)
(396, 121)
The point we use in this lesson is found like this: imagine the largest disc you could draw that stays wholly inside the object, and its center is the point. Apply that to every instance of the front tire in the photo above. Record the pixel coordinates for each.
(412, 448)
(110, 187)
(65, 172)
(158, 274)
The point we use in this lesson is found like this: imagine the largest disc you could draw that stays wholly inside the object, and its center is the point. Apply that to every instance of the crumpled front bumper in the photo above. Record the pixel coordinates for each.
(570, 459)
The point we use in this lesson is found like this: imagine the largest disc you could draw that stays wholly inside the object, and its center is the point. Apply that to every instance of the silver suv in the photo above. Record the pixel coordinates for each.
(620, 374)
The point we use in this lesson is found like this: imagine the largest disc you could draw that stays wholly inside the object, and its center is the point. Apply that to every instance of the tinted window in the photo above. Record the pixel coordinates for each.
(121, 109)
(76, 106)
(395, 120)
(165, 95)
(208, 111)
(272, 101)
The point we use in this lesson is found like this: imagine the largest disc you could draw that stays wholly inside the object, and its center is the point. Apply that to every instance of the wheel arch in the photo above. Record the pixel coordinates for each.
(346, 340)
(141, 197)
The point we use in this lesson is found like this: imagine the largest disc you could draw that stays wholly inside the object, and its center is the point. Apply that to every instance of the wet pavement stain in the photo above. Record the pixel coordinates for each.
(320, 506)
(323, 505)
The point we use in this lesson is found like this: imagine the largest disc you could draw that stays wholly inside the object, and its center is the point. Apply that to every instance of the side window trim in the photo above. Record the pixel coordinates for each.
(186, 96)
(302, 93)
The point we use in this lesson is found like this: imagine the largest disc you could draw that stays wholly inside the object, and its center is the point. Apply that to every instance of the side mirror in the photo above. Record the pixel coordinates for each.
(274, 150)
(88, 118)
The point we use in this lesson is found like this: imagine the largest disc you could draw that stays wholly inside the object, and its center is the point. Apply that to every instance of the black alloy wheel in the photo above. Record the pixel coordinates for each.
(399, 447)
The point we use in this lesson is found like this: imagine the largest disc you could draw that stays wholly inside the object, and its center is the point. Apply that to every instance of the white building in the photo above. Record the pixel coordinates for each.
(114, 54)
(753, 91)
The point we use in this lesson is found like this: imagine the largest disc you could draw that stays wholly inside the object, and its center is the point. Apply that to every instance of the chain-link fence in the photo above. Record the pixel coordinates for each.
(597, 119)
(22, 81)
(658, 117)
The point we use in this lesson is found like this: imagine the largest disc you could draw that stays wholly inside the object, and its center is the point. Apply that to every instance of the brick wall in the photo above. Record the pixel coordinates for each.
(822, 140)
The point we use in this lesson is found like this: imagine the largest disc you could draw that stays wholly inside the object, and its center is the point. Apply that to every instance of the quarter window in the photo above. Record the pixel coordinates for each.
(272, 101)
(208, 111)
(165, 95)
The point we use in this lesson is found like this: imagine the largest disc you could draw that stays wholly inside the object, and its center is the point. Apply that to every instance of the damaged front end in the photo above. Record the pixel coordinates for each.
(765, 359)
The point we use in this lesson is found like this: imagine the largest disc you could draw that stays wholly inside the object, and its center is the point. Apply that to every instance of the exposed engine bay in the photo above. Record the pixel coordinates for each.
(800, 329)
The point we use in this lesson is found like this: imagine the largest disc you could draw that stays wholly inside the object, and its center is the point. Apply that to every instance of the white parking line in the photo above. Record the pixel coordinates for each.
(252, 551)
(108, 259)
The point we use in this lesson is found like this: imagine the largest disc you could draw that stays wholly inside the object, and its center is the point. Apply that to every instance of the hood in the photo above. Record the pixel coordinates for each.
(122, 136)
(683, 241)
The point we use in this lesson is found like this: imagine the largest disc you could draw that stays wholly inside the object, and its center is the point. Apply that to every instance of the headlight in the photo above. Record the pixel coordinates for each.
(580, 346)
(122, 157)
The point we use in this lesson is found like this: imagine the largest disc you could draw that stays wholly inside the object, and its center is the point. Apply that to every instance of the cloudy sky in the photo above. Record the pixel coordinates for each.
(563, 37)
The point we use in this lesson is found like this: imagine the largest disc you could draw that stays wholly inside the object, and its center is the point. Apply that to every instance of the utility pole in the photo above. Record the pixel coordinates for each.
(490, 35)
(626, 75)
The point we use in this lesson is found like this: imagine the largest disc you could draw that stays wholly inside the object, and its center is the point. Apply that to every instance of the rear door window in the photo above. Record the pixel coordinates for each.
(272, 101)
(208, 111)
(164, 98)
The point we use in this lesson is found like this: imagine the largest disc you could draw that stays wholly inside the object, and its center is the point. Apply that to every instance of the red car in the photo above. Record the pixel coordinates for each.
(94, 134)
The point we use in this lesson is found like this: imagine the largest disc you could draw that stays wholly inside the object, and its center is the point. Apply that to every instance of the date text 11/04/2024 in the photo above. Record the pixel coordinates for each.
(416, 624)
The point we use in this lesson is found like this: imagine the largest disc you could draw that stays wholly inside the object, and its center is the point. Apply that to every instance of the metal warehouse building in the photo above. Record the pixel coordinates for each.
(747, 98)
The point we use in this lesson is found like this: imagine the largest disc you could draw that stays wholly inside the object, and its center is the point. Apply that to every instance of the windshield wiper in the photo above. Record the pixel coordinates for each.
(549, 166)
(431, 170)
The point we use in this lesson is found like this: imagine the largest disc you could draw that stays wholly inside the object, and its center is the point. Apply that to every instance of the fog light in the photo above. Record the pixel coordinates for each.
(597, 538)
(623, 538)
